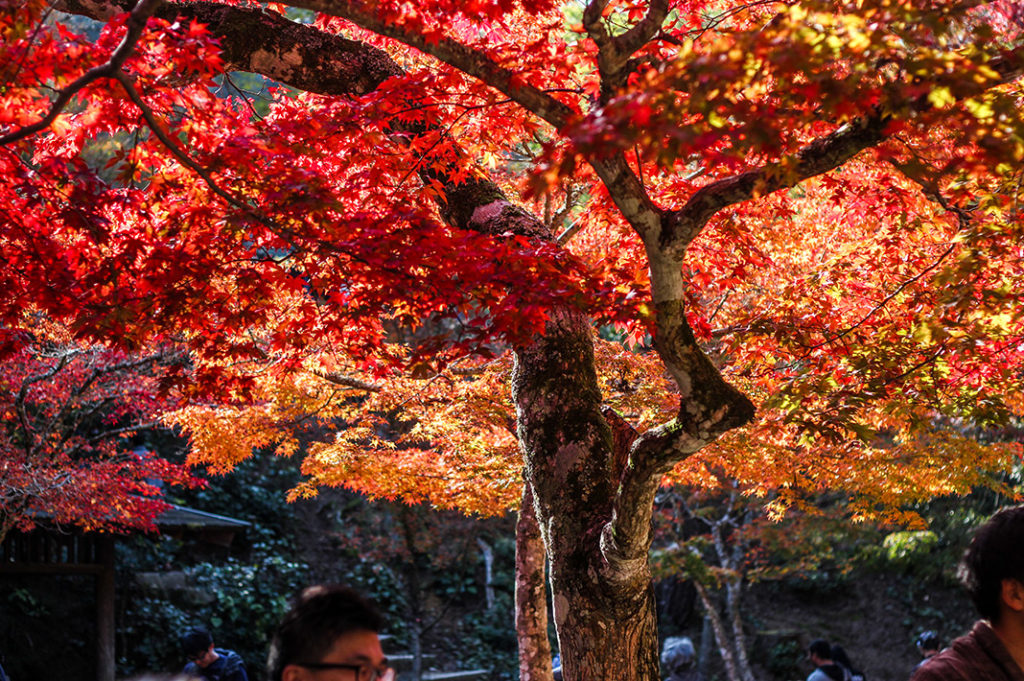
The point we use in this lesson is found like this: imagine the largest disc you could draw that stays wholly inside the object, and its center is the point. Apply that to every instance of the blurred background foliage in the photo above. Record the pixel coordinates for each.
(805, 576)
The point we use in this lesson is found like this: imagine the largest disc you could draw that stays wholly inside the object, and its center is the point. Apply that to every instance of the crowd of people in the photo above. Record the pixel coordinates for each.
(333, 628)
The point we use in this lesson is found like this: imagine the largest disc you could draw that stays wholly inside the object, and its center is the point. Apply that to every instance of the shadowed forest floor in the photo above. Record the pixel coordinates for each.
(875, 617)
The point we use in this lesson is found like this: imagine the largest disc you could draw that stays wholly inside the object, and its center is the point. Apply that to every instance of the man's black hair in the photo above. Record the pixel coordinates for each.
(820, 648)
(317, 618)
(996, 553)
(195, 641)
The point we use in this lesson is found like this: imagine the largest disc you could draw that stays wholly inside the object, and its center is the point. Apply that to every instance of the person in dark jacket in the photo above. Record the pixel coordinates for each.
(209, 663)
(992, 570)
(825, 669)
(840, 657)
(928, 644)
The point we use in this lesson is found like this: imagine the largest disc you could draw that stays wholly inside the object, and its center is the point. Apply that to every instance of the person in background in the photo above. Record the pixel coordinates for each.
(329, 629)
(207, 662)
(840, 657)
(992, 570)
(928, 644)
(679, 659)
(825, 669)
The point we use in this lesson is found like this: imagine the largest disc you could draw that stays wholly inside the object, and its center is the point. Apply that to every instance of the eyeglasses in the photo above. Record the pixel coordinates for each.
(364, 672)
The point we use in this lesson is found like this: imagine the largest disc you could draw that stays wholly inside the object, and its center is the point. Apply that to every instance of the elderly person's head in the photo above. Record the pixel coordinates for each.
(678, 654)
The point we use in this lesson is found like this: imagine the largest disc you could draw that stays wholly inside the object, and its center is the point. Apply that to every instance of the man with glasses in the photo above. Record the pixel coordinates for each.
(330, 634)
(207, 662)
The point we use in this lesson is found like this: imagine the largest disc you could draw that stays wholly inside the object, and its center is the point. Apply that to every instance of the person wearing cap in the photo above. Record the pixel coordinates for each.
(992, 570)
(928, 644)
(209, 663)
(330, 632)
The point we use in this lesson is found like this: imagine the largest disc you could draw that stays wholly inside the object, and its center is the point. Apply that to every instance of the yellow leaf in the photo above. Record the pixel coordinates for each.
(985, 72)
(716, 120)
(1001, 322)
(941, 98)
(923, 334)
(979, 109)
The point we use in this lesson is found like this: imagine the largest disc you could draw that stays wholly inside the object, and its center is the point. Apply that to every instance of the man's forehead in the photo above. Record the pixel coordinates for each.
(357, 646)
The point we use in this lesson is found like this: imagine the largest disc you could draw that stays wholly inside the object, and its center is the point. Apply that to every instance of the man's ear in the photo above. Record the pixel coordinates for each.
(1012, 592)
(293, 672)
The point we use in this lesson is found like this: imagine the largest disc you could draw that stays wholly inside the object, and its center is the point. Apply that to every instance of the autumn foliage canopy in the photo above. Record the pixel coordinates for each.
(488, 253)
(352, 248)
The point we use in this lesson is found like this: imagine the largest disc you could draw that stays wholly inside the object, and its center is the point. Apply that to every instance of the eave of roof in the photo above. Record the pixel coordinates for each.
(179, 516)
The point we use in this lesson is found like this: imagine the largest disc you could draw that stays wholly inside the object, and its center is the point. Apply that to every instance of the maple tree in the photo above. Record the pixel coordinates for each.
(811, 204)
(66, 455)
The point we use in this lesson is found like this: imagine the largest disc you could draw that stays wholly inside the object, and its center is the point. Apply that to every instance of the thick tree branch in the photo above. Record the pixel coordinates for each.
(708, 410)
(638, 36)
(136, 24)
(626, 538)
(300, 55)
(681, 226)
(453, 53)
(828, 153)
(613, 56)
(629, 195)
(709, 407)
(593, 22)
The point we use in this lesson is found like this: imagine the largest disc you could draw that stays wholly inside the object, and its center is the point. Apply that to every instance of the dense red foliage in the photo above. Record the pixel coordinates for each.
(66, 456)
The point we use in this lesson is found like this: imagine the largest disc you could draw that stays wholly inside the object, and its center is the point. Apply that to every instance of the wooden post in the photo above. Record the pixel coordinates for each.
(105, 655)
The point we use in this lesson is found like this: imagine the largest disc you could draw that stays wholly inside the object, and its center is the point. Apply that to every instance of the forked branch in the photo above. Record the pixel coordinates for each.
(453, 53)
(136, 24)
